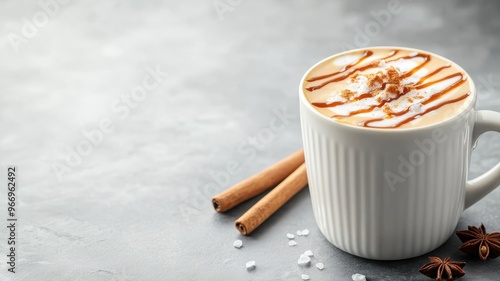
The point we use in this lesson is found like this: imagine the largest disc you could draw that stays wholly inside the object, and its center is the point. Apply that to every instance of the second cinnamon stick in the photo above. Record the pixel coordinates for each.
(258, 183)
(276, 198)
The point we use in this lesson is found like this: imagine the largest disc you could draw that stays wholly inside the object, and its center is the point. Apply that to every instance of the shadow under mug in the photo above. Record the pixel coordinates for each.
(359, 209)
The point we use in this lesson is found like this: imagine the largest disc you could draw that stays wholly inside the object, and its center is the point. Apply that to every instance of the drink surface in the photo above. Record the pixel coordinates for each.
(387, 88)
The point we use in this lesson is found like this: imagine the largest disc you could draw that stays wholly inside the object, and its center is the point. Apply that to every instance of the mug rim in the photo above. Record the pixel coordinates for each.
(463, 110)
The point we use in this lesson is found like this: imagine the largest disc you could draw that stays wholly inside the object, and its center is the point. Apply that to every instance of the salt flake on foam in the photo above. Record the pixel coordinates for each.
(416, 108)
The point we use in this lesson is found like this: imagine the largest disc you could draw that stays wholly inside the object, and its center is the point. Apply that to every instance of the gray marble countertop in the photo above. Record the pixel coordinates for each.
(122, 117)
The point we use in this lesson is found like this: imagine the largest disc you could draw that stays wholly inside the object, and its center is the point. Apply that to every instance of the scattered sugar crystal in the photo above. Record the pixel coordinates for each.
(304, 260)
(320, 265)
(305, 232)
(292, 243)
(308, 253)
(305, 277)
(358, 277)
(238, 243)
(299, 232)
(290, 236)
(416, 108)
(251, 265)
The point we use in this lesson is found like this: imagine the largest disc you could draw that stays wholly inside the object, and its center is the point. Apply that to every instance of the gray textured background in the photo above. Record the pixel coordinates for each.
(137, 207)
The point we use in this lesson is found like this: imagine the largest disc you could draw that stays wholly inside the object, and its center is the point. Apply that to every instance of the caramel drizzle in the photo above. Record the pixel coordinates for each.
(361, 97)
(419, 85)
(365, 55)
(399, 113)
(411, 118)
(427, 58)
(422, 80)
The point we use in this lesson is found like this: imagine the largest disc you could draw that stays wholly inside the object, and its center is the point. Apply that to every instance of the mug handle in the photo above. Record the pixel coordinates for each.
(479, 187)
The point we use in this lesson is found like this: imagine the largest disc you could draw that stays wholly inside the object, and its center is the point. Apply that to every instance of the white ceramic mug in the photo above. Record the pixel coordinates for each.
(357, 206)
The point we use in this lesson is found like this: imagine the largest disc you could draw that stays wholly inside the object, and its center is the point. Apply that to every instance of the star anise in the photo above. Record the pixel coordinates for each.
(478, 242)
(439, 269)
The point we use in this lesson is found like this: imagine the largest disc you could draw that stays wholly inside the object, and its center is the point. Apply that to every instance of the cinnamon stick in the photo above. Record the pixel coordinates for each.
(258, 183)
(270, 203)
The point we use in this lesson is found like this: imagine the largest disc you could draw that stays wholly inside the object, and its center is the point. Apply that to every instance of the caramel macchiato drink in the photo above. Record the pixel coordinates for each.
(388, 134)
(387, 88)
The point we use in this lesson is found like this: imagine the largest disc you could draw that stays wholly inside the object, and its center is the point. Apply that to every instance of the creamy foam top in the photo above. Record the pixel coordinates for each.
(385, 88)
